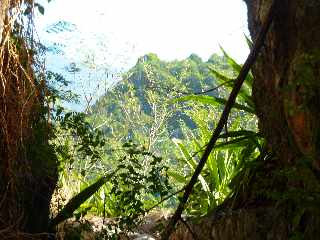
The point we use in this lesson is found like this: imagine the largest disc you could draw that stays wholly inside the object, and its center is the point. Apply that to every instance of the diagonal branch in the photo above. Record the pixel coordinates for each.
(194, 235)
(223, 119)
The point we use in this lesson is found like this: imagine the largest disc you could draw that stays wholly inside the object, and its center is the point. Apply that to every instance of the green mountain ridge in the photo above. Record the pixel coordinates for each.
(138, 107)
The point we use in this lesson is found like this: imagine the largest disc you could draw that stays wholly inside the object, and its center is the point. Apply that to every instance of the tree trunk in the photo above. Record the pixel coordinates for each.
(28, 167)
(287, 80)
(281, 199)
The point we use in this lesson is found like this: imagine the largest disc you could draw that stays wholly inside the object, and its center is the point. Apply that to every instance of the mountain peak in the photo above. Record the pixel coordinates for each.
(150, 57)
(194, 57)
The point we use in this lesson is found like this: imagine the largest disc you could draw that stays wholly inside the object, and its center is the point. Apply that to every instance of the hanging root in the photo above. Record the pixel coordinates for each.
(20, 99)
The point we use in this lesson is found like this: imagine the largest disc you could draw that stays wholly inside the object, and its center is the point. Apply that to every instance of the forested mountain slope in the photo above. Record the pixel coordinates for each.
(138, 107)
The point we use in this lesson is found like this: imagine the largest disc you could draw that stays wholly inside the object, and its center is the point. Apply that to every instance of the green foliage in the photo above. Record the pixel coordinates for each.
(141, 182)
(144, 92)
(77, 200)
(79, 151)
(213, 100)
(56, 84)
(239, 144)
(150, 130)
(40, 8)
(138, 181)
(137, 109)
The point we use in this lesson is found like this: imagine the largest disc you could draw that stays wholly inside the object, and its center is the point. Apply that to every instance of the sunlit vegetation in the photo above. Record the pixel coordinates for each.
(149, 132)
(127, 160)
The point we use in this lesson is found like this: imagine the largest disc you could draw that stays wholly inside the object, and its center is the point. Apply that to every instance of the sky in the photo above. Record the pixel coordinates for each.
(112, 34)
(173, 29)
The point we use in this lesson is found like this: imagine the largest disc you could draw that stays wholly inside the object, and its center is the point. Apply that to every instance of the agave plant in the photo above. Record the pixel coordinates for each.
(239, 143)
